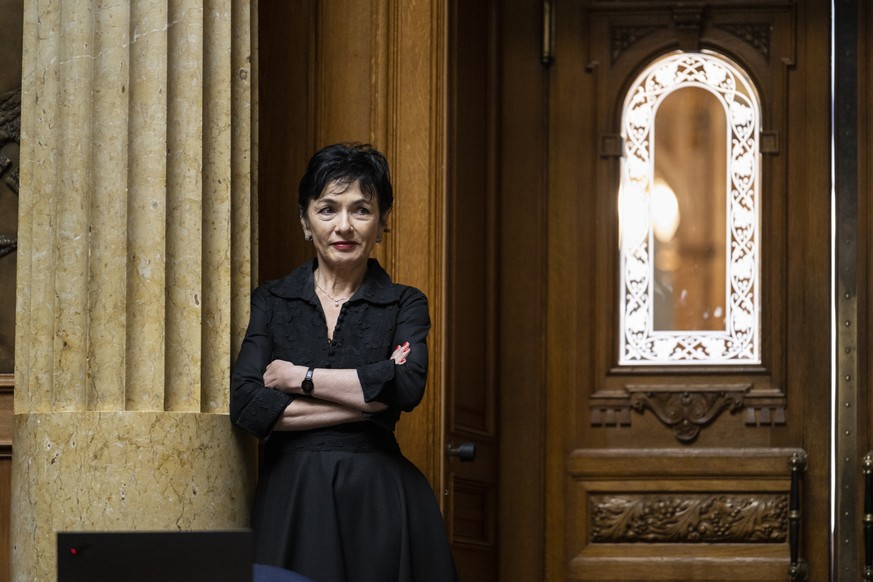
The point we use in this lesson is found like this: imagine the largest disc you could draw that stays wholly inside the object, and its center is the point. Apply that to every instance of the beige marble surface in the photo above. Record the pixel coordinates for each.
(117, 471)
(135, 205)
(134, 270)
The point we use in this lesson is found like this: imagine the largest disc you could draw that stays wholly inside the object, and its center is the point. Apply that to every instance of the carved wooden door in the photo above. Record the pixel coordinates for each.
(689, 291)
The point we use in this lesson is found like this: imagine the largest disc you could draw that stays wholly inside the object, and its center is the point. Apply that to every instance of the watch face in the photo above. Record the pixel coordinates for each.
(307, 384)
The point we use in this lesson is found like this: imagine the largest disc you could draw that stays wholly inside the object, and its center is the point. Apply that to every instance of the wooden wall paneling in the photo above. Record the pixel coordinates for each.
(522, 209)
(807, 185)
(569, 300)
(323, 70)
(471, 293)
(286, 34)
(470, 276)
(416, 147)
(346, 47)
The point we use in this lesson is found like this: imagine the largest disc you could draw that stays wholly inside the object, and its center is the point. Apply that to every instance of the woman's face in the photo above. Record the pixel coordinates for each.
(344, 224)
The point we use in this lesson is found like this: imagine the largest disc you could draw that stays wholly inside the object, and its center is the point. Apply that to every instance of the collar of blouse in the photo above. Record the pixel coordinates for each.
(300, 284)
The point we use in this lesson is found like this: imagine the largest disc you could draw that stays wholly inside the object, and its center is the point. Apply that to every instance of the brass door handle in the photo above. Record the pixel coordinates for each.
(797, 570)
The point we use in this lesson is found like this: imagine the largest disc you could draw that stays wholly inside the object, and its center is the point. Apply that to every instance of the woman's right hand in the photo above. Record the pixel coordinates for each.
(400, 353)
(284, 376)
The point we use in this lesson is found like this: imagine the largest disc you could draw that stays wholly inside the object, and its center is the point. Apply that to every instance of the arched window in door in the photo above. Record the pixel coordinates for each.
(689, 215)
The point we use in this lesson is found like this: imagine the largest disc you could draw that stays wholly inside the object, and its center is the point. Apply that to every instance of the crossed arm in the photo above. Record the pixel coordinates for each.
(338, 398)
(266, 394)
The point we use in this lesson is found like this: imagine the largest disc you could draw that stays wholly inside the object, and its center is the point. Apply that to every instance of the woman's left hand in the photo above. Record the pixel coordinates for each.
(284, 376)
(400, 353)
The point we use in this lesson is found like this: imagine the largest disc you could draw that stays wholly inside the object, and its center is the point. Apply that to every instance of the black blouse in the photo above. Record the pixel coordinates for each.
(287, 323)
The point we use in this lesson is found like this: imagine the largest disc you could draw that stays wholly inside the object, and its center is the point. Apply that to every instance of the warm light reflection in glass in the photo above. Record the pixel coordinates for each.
(665, 211)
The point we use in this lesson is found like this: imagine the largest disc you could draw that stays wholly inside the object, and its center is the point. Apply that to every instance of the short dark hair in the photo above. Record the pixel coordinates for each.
(348, 163)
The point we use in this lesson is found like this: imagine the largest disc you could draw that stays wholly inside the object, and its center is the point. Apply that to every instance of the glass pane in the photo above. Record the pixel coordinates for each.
(689, 215)
(688, 212)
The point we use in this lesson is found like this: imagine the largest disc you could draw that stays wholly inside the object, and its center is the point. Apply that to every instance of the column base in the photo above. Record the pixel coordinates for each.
(122, 471)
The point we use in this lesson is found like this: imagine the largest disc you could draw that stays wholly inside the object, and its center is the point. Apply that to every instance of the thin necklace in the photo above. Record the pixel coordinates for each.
(336, 300)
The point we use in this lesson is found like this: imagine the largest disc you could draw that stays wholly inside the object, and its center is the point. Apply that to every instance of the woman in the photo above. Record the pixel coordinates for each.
(332, 355)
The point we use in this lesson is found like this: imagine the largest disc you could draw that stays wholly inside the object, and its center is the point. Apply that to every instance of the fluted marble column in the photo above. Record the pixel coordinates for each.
(133, 270)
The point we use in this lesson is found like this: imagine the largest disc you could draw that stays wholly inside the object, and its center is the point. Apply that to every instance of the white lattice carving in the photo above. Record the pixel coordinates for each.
(739, 342)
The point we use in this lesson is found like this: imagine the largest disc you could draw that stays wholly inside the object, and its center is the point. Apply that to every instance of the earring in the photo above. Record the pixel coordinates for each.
(379, 237)
(307, 237)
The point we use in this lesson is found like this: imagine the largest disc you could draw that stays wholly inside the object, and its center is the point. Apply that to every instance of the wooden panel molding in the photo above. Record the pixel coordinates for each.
(475, 505)
(625, 524)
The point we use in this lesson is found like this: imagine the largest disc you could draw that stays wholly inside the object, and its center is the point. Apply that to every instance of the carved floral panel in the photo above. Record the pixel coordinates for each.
(689, 518)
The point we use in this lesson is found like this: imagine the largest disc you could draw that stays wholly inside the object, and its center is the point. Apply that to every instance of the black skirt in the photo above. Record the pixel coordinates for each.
(344, 505)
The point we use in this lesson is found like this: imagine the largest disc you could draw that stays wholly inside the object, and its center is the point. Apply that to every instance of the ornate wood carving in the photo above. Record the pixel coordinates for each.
(686, 412)
(682, 518)
(756, 35)
(686, 409)
(623, 37)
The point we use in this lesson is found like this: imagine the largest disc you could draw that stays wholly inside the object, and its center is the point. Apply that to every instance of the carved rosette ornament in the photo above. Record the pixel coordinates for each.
(689, 518)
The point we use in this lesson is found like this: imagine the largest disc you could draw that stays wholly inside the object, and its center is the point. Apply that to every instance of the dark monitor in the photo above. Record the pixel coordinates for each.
(192, 556)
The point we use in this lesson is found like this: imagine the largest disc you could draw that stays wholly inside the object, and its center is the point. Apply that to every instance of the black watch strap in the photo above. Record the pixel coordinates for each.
(307, 384)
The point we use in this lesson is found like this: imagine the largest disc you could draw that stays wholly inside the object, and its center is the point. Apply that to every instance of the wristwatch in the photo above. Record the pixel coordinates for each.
(307, 384)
